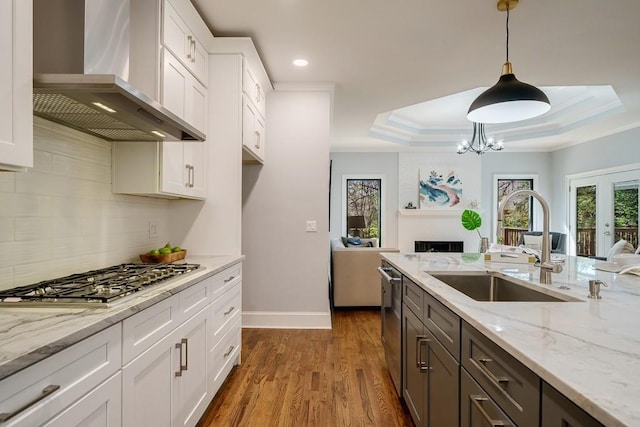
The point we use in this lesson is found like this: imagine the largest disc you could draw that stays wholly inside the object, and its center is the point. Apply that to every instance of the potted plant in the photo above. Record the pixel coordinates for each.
(471, 220)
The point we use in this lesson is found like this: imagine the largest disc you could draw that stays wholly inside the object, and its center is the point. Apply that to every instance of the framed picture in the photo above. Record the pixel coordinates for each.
(439, 188)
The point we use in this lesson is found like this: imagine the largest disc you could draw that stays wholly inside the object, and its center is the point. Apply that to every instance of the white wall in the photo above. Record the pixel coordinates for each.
(285, 273)
(608, 152)
(441, 224)
(61, 217)
(385, 164)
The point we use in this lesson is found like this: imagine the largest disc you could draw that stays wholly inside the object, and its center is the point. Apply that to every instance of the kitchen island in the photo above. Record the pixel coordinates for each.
(587, 349)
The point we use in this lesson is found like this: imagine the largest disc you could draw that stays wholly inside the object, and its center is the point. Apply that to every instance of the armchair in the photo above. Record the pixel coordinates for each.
(558, 240)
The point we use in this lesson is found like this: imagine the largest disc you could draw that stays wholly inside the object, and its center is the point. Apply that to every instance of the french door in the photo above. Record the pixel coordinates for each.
(603, 209)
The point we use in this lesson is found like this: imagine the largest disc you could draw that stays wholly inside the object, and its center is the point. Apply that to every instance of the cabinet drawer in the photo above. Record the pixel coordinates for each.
(226, 279)
(477, 408)
(225, 310)
(195, 298)
(413, 296)
(223, 356)
(512, 385)
(52, 385)
(443, 323)
(141, 331)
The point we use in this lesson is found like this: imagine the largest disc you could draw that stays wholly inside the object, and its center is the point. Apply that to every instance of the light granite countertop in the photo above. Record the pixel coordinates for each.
(28, 335)
(589, 350)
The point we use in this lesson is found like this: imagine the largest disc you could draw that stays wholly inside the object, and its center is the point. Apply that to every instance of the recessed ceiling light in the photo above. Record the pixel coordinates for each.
(300, 62)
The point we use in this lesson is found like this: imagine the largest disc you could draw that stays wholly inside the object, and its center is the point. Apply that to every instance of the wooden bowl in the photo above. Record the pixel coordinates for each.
(163, 258)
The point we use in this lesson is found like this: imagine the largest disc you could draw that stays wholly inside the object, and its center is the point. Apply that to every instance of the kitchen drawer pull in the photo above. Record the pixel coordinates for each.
(498, 380)
(186, 354)
(229, 351)
(257, 145)
(229, 311)
(45, 392)
(477, 402)
(229, 279)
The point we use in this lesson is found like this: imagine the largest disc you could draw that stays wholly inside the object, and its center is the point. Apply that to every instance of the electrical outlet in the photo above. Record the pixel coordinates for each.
(153, 228)
(312, 226)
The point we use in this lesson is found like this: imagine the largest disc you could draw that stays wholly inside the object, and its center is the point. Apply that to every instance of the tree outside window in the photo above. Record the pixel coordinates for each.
(518, 213)
(364, 200)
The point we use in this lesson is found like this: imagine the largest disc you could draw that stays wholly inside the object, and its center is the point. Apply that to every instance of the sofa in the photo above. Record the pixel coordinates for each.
(355, 281)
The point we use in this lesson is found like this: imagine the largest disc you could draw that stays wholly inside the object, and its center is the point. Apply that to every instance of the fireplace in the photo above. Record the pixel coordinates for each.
(438, 246)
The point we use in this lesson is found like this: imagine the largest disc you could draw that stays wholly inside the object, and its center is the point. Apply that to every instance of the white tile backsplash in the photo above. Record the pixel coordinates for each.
(62, 218)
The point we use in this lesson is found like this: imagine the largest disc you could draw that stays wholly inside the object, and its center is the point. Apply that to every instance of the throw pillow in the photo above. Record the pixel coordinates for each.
(620, 247)
(354, 241)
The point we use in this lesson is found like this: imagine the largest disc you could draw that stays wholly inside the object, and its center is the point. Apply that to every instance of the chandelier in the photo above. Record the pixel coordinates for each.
(509, 100)
(479, 142)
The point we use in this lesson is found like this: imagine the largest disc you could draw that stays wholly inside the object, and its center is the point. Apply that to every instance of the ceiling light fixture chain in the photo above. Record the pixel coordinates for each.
(479, 142)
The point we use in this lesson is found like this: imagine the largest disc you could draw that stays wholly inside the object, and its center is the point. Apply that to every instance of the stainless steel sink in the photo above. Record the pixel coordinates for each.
(485, 287)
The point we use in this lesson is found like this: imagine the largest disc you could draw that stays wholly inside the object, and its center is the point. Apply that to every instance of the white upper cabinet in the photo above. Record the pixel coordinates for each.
(169, 169)
(169, 60)
(16, 81)
(239, 87)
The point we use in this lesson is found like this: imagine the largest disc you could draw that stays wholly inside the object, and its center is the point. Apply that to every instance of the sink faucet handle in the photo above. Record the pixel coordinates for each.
(554, 267)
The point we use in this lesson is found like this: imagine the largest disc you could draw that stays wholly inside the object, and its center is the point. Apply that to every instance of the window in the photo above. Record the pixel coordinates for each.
(518, 214)
(363, 203)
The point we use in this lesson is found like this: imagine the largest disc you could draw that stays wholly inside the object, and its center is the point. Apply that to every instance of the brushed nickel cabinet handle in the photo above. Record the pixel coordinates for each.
(190, 41)
(229, 279)
(257, 145)
(5, 416)
(179, 371)
(498, 380)
(477, 402)
(229, 351)
(185, 341)
(420, 341)
(229, 311)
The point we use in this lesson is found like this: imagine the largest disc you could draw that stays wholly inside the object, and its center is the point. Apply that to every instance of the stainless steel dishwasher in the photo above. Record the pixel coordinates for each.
(390, 310)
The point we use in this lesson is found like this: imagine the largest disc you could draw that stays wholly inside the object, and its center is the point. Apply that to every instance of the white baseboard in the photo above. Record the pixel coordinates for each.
(286, 320)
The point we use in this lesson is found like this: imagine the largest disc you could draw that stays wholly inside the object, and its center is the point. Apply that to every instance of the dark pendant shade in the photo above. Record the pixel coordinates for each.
(509, 100)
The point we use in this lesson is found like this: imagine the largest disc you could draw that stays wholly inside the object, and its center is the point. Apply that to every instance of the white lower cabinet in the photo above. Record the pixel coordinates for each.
(159, 367)
(102, 407)
(165, 386)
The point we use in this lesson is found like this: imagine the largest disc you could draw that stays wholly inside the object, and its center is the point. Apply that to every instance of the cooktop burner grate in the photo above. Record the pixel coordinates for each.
(97, 286)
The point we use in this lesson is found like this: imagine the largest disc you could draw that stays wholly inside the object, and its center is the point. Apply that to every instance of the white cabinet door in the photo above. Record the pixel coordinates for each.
(196, 164)
(252, 132)
(181, 41)
(174, 170)
(252, 88)
(190, 389)
(147, 386)
(16, 75)
(102, 407)
(182, 94)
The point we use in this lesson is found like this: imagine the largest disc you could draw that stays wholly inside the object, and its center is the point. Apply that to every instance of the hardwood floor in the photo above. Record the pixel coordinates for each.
(322, 378)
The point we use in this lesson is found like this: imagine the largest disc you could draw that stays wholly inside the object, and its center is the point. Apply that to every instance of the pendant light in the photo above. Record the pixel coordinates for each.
(509, 100)
(479, 142)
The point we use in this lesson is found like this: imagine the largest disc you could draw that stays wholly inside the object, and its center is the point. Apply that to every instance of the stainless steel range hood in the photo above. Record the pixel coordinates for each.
(81, 66)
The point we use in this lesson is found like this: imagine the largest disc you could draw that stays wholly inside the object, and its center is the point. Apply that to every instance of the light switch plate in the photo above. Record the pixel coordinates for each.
(312, 226)
(153, 229)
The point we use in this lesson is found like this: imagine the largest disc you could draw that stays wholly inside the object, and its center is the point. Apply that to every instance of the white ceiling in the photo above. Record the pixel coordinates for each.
(384, 55)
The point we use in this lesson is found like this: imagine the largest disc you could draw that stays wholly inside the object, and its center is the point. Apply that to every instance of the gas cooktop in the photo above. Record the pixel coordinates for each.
(97, 288)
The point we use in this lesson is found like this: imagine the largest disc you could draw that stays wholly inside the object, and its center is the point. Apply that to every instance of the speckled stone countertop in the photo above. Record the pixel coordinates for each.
(28, 335)
(589, 350)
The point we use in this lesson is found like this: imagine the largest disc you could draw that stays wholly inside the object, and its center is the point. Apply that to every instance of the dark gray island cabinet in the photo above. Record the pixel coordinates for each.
(453, 375)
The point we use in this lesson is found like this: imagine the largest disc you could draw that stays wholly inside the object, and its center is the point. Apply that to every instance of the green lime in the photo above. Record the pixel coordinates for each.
(176, 249)
(165, 250)
(154, 252)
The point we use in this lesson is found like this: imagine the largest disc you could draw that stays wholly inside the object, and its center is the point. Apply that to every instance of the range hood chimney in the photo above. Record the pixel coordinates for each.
(81, 68)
